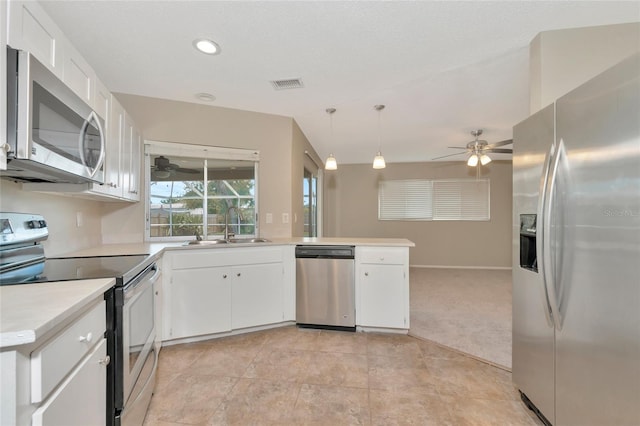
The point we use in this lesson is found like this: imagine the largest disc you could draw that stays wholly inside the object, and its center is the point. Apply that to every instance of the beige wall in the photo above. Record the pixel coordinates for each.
(561, 60)
(60, 213)
(351, 210)
(277, 138)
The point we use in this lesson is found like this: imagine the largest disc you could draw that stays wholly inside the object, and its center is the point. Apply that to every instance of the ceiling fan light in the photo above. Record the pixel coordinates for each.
(161, 174)
(485, 159)
(472, 161)
(378, 161)
(331, 163)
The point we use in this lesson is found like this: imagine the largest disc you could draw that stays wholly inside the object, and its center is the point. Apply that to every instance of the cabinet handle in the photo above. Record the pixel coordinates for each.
(381, 258)
(224, 276)
(238, 274)
(88, 338)
(366, 274)
(105, 361)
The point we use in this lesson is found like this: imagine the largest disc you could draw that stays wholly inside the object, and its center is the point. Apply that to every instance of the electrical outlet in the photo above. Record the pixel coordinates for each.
(285, 217)
(269, 218)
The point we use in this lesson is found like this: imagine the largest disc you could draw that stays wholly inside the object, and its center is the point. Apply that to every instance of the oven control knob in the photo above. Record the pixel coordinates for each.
(105, 361)
(88, 338)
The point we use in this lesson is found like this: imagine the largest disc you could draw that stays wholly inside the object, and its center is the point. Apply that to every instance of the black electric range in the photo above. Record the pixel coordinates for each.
(123, 268)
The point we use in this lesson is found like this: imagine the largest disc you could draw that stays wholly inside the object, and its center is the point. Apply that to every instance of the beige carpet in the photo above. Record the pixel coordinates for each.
(468, 310)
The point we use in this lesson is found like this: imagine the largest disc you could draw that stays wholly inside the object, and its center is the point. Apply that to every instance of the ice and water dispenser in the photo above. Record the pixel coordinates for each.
(528, 257)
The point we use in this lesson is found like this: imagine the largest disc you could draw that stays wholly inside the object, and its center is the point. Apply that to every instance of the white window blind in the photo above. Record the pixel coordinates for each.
(461, 199)
(405, 200)
(422, 199)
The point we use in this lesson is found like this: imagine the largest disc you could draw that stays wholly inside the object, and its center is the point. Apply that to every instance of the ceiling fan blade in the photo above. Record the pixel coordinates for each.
(185, 170)
(450, 155)
(501, 143)
(457, 147)
(499, 150)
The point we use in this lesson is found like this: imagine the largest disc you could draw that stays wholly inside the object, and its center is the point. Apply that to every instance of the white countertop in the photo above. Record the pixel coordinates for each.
(157, 248)
(348, 241)
(30, 311)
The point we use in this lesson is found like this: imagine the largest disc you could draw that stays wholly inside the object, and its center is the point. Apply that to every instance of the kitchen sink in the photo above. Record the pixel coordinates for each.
(204, 242)
(249, 240)
(229, 241)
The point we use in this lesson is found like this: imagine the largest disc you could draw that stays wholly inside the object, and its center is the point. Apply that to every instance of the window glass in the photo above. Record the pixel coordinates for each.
(310, 200)
(198, 196)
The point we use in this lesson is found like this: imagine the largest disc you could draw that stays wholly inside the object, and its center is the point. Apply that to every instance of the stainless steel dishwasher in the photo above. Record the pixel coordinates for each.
(325, 287)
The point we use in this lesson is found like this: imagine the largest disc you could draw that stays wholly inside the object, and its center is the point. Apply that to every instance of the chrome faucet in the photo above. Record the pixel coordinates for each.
(228, 234)
(198, 236)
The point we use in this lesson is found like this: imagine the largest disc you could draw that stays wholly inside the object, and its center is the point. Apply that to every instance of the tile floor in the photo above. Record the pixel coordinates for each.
(291, 376)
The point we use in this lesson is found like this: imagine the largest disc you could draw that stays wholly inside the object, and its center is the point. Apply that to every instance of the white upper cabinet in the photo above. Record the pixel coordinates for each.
(134, 164)
(31, 29)
(3, 86)
(79, 75)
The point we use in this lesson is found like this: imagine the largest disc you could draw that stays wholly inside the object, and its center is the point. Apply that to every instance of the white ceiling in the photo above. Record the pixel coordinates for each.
(441, 68)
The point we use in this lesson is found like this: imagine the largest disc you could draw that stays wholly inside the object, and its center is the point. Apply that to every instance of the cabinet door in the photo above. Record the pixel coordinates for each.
(78, 75)
(3, 86)
(256, 295)
(130, 159)
(81, 398)
(200, 301)
(382, 296)
(31, 29)
(134, 165)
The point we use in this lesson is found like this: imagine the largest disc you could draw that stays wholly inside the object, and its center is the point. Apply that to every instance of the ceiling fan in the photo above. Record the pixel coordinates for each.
(162, 168)
(479, 149)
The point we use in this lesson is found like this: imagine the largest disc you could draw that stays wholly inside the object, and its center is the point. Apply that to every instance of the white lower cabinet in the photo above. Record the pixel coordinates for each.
(61, 379)
(209, 291)
(200, 301)
(256, 295)
(382, 287)
(80, 400)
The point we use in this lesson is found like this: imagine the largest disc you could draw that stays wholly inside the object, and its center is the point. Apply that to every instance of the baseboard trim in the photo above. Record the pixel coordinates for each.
(500, 268)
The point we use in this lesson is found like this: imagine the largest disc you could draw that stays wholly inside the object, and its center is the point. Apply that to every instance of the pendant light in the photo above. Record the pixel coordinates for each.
(331, 163)
(378, 160)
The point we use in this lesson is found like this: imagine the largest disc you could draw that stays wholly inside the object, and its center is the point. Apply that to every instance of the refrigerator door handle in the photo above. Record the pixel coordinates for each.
(540, 247)
(549, 270)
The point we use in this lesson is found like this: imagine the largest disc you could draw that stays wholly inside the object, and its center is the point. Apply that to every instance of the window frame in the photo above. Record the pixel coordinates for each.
(176, 149)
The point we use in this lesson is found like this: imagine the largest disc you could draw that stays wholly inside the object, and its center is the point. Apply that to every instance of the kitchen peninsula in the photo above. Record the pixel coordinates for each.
(256, 285)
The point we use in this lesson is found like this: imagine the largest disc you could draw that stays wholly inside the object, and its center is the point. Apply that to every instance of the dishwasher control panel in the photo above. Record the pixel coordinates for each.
(331, 252)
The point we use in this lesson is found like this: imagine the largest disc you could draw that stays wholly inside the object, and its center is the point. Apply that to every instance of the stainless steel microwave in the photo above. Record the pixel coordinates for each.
(52, 134)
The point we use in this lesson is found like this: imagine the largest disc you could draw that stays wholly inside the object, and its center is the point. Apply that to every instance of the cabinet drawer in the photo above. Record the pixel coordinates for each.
(203, 258)
(53, 361)
(81, 399)
(383, 255)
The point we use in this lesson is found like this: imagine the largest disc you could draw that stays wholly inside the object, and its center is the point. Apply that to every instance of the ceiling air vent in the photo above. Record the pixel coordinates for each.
(291, 83)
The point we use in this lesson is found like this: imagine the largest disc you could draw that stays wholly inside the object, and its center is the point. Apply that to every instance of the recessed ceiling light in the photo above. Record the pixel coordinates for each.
(207, 97)
(206, 46)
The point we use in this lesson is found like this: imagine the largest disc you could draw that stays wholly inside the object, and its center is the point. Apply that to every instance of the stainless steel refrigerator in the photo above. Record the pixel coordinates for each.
(576, 253)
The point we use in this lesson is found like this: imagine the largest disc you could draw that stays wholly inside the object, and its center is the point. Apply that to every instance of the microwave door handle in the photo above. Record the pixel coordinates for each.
(93, 117)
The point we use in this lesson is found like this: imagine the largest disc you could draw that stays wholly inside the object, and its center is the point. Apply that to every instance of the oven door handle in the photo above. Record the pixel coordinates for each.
(134, 288)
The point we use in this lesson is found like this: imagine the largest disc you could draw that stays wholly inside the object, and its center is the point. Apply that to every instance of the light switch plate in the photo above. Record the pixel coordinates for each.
(269, 218)
(285, 217)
